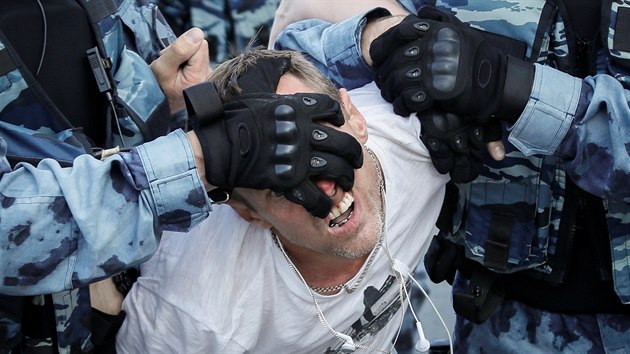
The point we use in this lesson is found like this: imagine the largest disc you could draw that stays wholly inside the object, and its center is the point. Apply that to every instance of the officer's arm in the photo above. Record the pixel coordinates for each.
(291, 11)
(66, 227)
(584, 122)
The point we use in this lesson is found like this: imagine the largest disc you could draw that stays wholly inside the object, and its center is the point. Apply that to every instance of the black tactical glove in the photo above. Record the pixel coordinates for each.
(265, 140)
(442, 259)
(435, 61)
(456, 148)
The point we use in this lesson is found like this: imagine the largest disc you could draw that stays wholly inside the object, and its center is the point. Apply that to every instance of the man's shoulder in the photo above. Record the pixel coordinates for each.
(218, 242)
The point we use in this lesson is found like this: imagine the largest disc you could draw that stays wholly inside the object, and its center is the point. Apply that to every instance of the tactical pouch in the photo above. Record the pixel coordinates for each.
(615, 26)
(507, 224)
(482, 297)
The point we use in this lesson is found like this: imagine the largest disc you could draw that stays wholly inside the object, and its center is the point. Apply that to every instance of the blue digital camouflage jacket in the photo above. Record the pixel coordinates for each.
(66, 227)
(228, 25)
(570, 128)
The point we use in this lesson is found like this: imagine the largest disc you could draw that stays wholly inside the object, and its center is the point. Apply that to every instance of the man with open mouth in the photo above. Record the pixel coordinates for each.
(264, 275)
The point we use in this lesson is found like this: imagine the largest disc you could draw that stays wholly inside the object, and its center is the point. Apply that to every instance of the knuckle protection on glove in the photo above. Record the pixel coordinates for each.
(446, 51)
(462, 169)
(287, 136)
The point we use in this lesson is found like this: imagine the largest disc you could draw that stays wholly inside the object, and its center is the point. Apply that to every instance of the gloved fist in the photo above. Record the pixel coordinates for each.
(434, 60)
(455, 148)
(279, 142)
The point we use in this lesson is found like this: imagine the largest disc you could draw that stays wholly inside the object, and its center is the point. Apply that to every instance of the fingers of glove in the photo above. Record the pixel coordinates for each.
(407, 54)
(458, 141)
(409, 29)
(392, 80)
(465, 169)
(332, 167)
(293, 107)
(443, 164)
(319, 107)
(311, 198)
(416, 99)
(439, 123)
(411, 100)
(400, 108)
(339, 143)
(440, 152)
(476, 137)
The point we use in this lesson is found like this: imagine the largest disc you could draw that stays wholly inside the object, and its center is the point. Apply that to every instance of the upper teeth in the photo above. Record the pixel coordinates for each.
(342, 207)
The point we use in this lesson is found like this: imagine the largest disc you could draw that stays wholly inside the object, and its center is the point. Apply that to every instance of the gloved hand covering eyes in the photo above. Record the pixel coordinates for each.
(278, 142)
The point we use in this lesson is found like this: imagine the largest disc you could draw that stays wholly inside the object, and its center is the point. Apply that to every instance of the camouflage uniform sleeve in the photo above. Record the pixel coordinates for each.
(586, 123)
(334, 48)
(66, 227)
(412, 5)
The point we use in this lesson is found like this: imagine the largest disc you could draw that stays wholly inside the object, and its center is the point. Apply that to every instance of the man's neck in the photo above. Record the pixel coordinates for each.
(321, 270)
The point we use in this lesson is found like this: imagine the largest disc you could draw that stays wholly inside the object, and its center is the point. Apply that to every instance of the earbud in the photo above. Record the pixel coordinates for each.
(348, 344)
(423, 344)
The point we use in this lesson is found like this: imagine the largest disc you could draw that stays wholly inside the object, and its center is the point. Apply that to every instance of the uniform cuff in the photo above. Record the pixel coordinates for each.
(548, 114)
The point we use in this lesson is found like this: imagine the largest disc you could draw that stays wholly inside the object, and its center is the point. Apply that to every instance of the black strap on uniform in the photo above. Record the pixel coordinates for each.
(6, 63)
(498, 243)
(96, 11)
(100, 9)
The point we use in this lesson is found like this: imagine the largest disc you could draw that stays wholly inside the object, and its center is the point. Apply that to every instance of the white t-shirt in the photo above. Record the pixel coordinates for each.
(226, 287)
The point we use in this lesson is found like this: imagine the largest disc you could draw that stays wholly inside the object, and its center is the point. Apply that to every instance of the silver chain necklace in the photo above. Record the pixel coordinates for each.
(311, 289)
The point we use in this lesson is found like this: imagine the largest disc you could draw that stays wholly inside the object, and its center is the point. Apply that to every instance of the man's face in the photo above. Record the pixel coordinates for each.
(354, 225)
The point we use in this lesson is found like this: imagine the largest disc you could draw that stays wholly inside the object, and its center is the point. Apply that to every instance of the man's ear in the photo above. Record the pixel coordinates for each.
(247, 214)
(354, 118)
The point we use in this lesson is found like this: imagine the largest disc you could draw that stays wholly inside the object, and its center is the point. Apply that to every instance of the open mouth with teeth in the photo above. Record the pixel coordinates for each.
(341, 213)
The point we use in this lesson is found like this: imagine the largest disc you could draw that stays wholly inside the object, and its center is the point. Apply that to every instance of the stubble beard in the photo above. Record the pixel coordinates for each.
(362, 245)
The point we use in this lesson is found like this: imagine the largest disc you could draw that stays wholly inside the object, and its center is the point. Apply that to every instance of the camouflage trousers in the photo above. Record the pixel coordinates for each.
(518, 328)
